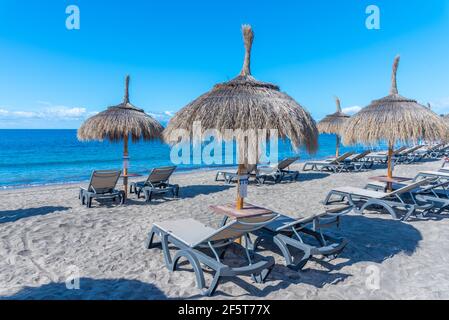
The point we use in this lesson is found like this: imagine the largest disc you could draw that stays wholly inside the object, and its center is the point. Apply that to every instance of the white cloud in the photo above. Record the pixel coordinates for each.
(440, 106)
(352, 110)
(50, 113)
(162, 116)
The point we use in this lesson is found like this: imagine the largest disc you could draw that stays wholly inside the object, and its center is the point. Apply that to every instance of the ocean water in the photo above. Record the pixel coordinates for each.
(40, 157)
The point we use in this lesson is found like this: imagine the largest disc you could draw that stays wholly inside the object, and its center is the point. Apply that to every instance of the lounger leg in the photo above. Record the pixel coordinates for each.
(282, 245)
(213, 286)
(88, 201)
(329, 196)
(383, 205)
(196, 267)
(148, 195)
(150, 239)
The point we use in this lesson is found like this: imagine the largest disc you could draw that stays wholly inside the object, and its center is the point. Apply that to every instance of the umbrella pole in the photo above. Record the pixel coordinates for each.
(240, 200)
(337, 149)
(390, 166)
(125, 165)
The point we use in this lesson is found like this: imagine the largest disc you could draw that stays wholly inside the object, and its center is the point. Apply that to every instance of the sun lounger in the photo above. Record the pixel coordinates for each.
(334, 165)
(102, 186)
(435, 193)
(440, 175)
(279, 172)
(431, 152)
(287, 232)
(200, 244)
(358, 162)
(229, 177)
(382, 156)
(156, 183)
(390, 201)
(408, 155)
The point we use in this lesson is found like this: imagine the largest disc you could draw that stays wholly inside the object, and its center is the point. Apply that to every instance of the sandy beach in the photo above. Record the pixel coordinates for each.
(46, 235)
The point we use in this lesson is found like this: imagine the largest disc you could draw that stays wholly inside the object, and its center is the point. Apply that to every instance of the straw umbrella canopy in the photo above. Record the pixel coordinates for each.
(242, 104)
(394, 119)
(334, 124)
(118, 123)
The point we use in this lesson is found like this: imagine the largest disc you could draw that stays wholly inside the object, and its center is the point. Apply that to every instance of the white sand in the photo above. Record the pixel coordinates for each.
(45, 234)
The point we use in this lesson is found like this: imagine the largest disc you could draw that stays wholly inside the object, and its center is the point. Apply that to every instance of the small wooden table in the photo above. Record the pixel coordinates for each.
(231, 212)
(390, 181)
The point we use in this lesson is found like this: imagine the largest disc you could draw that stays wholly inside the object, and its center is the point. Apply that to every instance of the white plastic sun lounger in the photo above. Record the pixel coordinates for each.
(387, 200)
(200, 244)
(335, 165)
(278, 172)
(287, 232)
(229, 177)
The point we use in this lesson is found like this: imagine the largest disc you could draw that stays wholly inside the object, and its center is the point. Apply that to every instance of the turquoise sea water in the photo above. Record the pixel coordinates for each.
(39, 157)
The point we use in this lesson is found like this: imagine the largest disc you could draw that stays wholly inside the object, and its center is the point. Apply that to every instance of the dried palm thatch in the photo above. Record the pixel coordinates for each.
(247, 104)
(334, 124)
(233, 108)
(394, 119)
(118, 122)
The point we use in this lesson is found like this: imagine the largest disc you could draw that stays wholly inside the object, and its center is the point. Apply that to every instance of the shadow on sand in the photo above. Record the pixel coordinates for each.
(374, 239)
(92, 289)
(185, 192)
(312, 176)
(15, 215)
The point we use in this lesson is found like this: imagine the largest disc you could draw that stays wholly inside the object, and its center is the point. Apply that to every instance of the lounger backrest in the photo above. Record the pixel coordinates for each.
(287, 162)
(103, 181)
(361, 155)
(399, 150)
(239, 227)
(410, 187)
(160, 175)
(343, 157)
(409, 150)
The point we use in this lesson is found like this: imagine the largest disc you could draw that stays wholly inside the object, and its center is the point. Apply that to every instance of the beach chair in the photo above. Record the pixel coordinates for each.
(430, 152)
(279, 172)
(440, 175)
(229, 177)
(335, 165)
(408, 155)
(390, 201)
(435, 193)
(382, 156)
(358, 162)
(156, 183)
(102, 186)
(287, 232)
(200, 244)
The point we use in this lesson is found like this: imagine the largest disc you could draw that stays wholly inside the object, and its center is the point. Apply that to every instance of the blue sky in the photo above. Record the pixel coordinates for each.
(51, 77)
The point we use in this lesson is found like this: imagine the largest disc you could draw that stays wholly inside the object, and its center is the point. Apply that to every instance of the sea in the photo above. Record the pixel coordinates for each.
(44, 157)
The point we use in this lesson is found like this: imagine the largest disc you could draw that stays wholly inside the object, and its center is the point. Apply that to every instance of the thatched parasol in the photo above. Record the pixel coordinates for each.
(334, 124)
(118, 123)
(394, 119)
(244, 104)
